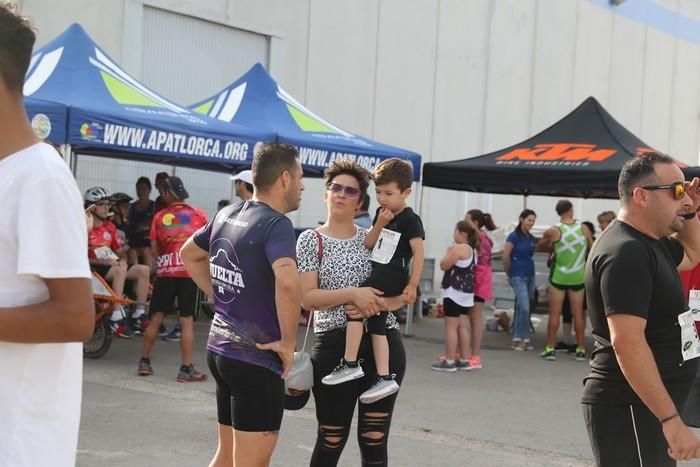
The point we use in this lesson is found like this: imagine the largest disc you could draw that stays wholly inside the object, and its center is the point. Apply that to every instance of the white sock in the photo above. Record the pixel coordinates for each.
(140, 311)
(449, 362)
(117, 314)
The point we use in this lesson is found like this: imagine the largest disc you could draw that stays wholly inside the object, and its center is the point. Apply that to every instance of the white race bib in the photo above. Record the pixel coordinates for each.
(105, 252)
(690, 341)
(385, 247)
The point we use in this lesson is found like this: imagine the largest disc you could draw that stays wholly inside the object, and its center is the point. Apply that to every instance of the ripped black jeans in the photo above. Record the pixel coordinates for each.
(335, 405)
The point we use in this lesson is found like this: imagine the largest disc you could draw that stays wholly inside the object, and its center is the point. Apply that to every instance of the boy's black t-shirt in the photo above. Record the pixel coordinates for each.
(410, 226)
(631, 273)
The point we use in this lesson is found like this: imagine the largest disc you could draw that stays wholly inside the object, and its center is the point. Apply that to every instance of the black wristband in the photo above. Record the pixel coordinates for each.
(668, 419)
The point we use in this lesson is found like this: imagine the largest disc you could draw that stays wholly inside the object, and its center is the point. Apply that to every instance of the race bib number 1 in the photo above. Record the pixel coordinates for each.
(385, 247)
(690, 327)
(105, 252)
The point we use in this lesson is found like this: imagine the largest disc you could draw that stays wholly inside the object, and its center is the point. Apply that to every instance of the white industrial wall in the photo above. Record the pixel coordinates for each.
(446, 78)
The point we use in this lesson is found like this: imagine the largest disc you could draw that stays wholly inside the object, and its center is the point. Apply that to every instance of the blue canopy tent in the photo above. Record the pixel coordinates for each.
(258, 101)
(109, 113)
(48, 119)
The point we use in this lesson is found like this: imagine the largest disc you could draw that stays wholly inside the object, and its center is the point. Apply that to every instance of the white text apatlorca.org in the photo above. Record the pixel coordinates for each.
(176, 143)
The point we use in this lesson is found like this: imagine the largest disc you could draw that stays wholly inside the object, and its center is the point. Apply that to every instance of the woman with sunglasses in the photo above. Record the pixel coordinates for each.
(333, 262)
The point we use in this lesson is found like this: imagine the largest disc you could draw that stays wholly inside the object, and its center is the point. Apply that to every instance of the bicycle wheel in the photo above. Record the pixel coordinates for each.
(99, 342)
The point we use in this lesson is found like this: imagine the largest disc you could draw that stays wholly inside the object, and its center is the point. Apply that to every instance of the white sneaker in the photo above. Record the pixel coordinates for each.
(342, 374)
(379, 390)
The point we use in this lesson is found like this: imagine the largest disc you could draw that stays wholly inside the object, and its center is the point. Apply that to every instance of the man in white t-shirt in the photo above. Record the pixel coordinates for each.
(46, 307)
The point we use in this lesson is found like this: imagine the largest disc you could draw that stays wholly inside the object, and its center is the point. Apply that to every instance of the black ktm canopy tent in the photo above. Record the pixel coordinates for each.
(579, 156)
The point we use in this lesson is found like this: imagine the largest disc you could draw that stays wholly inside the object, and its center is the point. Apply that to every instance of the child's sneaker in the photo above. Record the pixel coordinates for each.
(383, 387)
(188, 374)
(444, 366)
(580, 354)
(174, 335)
(462, 365)
(549, 354)
(145, 368)
(140, 324)
(343, 373)
(120, 328)
(474, 363)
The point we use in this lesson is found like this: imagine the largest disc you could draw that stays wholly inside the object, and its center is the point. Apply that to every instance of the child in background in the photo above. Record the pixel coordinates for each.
(483, 282)
(459, 264)
(396, 235)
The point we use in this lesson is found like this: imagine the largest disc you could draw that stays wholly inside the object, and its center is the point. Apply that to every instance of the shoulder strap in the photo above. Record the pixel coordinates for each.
(319, 253)
(308, 326)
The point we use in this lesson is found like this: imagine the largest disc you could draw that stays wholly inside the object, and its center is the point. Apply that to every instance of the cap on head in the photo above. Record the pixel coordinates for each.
(174, 186)
(244, 176)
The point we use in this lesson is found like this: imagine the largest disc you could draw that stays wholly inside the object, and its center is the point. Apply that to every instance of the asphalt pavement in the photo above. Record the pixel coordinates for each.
(517, 411)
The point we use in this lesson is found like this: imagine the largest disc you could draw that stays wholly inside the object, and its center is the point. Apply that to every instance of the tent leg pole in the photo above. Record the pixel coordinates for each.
(409, 309)
(64, 153)
(71, 159)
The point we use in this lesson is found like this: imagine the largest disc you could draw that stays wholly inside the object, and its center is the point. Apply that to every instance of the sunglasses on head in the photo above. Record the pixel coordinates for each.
(677, 189)
(349, 191)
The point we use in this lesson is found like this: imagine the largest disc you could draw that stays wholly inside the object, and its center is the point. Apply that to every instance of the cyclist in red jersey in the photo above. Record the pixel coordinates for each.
(171, 227)
(108, 258)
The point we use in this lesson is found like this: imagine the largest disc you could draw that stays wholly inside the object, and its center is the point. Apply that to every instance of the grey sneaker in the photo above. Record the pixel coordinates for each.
(342, 374)
(462, 365)
(188, 374)
(145, 368)
(379, 390)
(444, 366)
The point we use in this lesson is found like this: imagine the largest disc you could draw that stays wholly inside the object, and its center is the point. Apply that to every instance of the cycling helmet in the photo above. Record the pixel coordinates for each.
(96, 193)
(121, 198)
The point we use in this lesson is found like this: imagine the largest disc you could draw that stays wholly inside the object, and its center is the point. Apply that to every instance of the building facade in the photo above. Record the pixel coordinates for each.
(448, 79)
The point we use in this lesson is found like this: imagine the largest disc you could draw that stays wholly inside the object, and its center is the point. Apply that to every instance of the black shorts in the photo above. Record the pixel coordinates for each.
(390, 280)
(101, 269)
(625, 436)
(139, 241)
(478, 299)
(377, 324)
(574, 288)
(248, 397)
(167, 288)
(452, 309)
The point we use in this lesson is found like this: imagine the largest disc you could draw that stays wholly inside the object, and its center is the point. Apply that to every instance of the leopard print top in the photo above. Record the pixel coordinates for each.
(345, 263)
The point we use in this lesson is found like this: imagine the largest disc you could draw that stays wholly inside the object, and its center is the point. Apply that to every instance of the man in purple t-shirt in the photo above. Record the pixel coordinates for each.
(245, 258)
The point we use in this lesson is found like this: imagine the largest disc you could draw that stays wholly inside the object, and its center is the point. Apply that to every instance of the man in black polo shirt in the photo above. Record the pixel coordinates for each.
(638, 380)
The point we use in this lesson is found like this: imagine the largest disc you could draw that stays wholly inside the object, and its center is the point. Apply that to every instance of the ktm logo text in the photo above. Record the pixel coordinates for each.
(558, 152)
